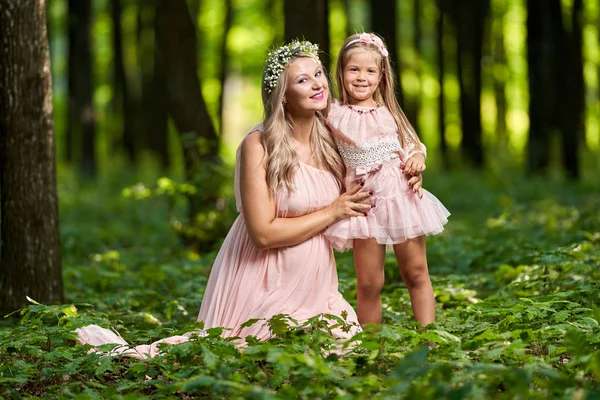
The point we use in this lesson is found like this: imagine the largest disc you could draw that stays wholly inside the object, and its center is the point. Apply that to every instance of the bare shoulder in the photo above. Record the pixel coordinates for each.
(252, 151)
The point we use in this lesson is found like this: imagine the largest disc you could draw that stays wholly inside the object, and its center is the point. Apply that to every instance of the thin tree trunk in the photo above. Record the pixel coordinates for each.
(81, 122)
(122, 96)
(157, 103)
(417, 38)
(30, 258)
(224, 57)
(541, 84)
(499, 54)
(469, 20)
(571, 84)
(348, 13)
(384, 21)
(153, 113)
(308, 19)
(176, 39)
(442, 96)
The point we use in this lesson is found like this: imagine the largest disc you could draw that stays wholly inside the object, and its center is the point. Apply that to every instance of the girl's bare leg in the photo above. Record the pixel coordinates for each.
(369, 258)
(412, 260)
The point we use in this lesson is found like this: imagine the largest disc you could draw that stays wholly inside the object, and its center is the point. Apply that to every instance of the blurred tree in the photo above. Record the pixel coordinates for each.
(30, 256)
(346, 5)
(500, 70)
(469, 17)
(224, 56)
(384, 22)
(555, 84)
(176, 41)
(309, 19)
(440, 32)
(541, 83)
(123, 104)
(154, 113)
(569, 58)
(415, 102)
(81, 118)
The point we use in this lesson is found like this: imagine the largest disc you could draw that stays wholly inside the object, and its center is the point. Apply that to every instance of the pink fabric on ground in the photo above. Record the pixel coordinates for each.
(96, 336)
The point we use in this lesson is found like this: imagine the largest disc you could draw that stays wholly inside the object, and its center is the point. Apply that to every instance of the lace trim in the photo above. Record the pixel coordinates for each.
(370, 154)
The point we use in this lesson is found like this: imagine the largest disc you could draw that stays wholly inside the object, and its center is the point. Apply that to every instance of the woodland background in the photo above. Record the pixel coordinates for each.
(119, 121)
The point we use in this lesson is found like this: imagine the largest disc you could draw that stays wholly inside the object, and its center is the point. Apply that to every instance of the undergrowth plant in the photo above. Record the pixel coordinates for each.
(516, 277)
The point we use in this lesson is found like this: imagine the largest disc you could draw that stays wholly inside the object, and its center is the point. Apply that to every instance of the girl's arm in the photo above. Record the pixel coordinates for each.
(415, 150)
(265, 229)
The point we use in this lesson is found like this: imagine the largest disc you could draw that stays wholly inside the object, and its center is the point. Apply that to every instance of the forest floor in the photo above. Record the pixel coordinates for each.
(516, 276)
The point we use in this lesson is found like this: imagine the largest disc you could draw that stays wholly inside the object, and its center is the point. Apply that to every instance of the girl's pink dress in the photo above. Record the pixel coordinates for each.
(247, 283)
(367, 138)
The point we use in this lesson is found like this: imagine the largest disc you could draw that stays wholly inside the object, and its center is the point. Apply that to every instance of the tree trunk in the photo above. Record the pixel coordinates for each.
(308, 19)
(176, 40)
(541, 84)
(442, 96)
(81, 120)
(469, 19)
(384, 21)
(153, 114)
(157, 106)
(30, 260)
(570, 79)
(122, 97)
(417, 38)
(499, 54)
(224, 57)
(348, 13)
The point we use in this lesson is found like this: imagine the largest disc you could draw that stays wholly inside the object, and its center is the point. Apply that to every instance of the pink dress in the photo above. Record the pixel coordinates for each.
(367, 138)
(247, 283)
(299, 280)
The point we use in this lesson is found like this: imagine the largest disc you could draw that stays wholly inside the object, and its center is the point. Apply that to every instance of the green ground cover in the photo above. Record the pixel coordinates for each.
(516, 276)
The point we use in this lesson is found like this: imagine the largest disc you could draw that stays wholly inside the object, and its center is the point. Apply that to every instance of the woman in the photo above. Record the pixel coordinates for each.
(287, 187)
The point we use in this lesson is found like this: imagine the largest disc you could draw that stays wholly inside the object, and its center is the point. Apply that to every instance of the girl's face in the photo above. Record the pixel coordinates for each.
(307, 90)
(362, 74)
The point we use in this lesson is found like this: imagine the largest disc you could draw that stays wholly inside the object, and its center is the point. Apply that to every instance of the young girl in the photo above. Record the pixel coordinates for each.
(381, 150)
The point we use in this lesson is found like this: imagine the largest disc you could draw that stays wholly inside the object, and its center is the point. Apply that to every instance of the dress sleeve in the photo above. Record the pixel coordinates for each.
(413, 147)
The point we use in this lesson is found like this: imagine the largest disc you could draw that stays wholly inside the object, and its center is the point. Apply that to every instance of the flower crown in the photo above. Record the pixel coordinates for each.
(278, 59)
(367, 38)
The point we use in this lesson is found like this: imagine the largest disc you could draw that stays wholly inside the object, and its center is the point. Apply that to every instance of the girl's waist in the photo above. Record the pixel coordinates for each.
(370, 155)
(355, 171)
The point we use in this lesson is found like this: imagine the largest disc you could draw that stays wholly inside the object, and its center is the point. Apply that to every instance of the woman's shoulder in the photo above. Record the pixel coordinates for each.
(252, 143)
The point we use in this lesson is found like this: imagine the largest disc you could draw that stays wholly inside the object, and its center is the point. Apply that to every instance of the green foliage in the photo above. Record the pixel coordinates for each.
(208, 199)
(515, 275)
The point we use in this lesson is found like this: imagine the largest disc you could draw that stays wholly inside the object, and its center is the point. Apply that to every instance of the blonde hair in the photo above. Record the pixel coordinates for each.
(386, 91)
(282, 160)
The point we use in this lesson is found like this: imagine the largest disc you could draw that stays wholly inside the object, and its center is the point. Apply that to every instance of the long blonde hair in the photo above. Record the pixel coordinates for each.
(386, 91)
(282, 160)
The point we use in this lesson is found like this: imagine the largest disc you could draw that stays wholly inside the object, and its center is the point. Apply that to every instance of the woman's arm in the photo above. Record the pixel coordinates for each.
(265, 229)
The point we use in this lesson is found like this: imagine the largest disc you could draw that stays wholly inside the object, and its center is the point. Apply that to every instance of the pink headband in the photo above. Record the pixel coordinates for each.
(371, 39)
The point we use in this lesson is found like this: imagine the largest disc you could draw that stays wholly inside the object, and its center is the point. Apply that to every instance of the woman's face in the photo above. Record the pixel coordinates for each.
(307, 89)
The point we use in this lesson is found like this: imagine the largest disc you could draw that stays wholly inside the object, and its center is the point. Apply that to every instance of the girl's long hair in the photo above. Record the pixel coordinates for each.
(282, 160)
(386, 91)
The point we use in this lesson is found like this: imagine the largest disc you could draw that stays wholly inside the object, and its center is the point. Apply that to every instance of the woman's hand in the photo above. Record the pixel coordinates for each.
(416, 182)
(350, 204)
(415, 164)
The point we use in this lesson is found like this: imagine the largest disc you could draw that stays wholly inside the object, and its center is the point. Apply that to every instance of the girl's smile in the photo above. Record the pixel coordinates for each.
(362, 75)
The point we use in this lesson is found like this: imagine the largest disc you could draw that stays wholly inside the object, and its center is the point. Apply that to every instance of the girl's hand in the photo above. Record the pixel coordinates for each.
(350, 204)
(415, 164)
(416, 182)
